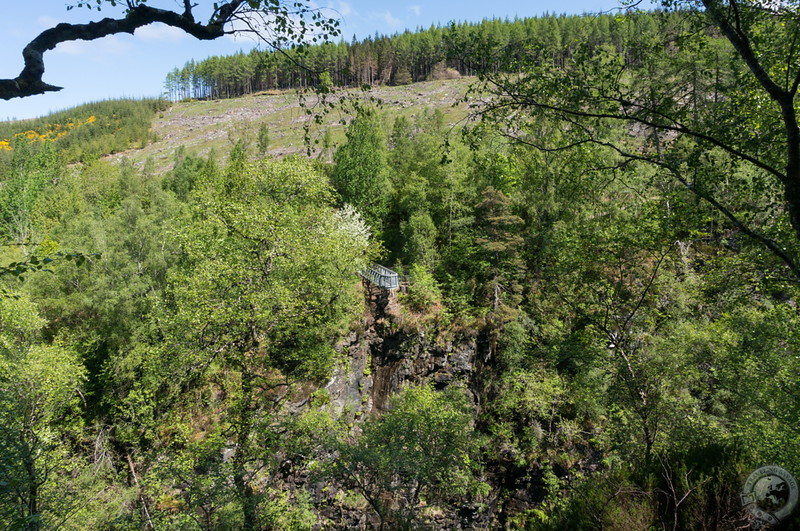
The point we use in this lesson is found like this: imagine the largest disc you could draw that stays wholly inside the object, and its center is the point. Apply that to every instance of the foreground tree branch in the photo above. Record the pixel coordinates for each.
(29, 82)
(672, 106)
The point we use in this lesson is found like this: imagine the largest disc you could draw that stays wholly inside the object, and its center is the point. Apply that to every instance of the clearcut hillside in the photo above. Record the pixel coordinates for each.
(201, 126)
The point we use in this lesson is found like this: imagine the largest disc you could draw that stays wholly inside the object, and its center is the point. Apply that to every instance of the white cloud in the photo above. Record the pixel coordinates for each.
(105, 46)
(336, 10)
(332, 9)
(391, 20)
(415, 9)
(160, 32)
(344, 9)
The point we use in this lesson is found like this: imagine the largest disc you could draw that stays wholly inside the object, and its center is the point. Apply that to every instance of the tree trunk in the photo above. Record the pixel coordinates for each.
(33, 480)
(243, 419)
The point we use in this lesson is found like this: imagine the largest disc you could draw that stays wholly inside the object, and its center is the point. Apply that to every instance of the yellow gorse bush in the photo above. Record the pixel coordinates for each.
(53, 132)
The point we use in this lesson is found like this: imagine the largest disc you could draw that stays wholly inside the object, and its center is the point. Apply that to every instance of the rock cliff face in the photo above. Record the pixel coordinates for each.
(376, 360)
(380, 357)
(386, 352)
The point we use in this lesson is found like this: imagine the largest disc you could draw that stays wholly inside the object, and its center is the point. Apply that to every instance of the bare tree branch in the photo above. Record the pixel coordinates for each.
(518, 100)
(29, 82)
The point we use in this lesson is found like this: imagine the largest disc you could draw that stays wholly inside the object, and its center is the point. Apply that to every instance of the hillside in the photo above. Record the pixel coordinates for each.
(202, 126)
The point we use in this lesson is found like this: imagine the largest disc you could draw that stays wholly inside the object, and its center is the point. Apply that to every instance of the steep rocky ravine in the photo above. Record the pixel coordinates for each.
(381, 356)
(377, 358)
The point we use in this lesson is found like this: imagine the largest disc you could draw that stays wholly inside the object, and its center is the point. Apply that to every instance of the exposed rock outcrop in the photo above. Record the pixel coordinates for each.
(376, 360)
(381, 356)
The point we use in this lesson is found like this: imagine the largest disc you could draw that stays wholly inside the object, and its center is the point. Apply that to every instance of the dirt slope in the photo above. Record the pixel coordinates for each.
(201, 126)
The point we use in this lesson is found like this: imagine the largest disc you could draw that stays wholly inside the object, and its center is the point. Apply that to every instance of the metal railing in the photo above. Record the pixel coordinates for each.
(381, 276)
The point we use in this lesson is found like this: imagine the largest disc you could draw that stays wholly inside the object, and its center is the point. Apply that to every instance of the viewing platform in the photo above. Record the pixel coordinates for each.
(380, 276)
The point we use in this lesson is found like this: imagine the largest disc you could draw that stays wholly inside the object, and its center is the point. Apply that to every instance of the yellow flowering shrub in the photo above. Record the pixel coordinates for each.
(52, 132)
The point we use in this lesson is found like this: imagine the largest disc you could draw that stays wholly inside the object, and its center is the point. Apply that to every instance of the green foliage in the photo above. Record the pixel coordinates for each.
(634, 347)
(424, 292)
(360, 172)
(29, 172)
(698, 486)
(420, 234)
(748, 355)
(267, 280)
(268, 232)
(188, 171)
(500, 243)
(293, 514)
(422, 447)
(530, 417)
(325, 82)
(124, 217)
(262, 141)
(40, 413)
(86, 132)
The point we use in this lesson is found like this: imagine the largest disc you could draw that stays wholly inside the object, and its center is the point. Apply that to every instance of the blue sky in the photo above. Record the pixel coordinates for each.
(136, 65)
